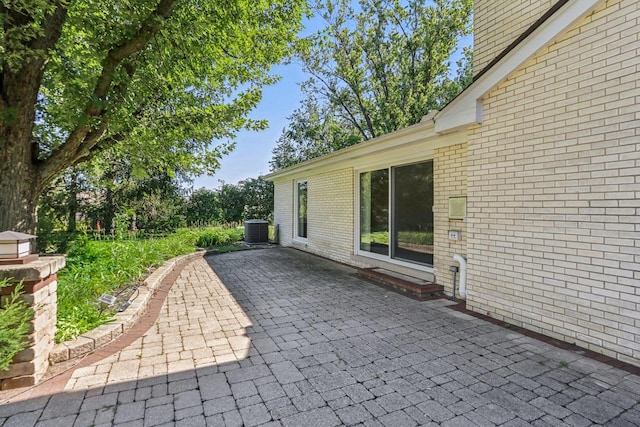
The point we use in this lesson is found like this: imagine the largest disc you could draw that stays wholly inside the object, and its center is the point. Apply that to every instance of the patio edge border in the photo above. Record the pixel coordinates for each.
(104, 334)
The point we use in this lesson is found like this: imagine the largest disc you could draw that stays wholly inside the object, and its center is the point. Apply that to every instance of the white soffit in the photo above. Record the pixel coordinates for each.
(466, 109)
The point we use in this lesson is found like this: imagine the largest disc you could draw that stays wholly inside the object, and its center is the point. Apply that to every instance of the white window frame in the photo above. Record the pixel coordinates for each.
(296, 211)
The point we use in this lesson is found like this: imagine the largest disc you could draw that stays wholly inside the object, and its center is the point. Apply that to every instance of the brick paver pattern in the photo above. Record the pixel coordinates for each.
(278, 337)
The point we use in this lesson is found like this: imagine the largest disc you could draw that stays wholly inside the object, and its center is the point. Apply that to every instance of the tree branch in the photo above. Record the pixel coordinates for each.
(84, 137)
(51, 28)
(34, 50)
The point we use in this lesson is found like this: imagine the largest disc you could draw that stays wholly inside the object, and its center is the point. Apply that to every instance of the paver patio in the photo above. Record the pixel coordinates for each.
(280, 337)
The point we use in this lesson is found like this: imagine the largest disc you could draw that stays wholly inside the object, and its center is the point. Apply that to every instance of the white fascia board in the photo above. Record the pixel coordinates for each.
(466, 109)
(420, 133)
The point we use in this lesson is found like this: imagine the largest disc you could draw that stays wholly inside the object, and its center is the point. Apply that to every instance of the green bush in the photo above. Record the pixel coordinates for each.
(218, 237)
(15, 318)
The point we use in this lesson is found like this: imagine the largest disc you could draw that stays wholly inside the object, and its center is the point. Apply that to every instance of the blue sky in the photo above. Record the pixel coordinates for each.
(251, 156)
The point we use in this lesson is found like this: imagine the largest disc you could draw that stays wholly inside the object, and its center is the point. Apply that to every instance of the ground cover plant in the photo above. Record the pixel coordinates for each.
(15, 319)
(218, 237)
(102, 266)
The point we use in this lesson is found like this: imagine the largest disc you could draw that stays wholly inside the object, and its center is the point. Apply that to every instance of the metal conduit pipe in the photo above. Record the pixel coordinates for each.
(463, 274)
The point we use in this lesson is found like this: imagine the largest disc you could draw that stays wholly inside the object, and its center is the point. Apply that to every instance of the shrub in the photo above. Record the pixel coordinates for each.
(15, 318)
(218, 237)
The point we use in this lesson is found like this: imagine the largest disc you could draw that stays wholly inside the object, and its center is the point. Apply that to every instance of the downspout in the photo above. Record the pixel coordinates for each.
(463, 275)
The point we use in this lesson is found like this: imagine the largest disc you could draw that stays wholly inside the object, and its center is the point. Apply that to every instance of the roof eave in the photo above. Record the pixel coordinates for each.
(423, 129)
(466, 109)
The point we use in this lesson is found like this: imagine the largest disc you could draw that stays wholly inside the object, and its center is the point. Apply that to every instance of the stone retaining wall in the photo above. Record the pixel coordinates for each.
(40, 283)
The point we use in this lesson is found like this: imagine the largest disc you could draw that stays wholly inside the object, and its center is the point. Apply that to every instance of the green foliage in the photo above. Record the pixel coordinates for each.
(152, 200)
(231, 202)
(416, 237)
(15, 318)
(219, 237)
(125, 206)
(111, 193)
(203, 207)
(376, 237)
(249, 199)
(154, 81)
(258, 198)
(376, 67)
(314, 129)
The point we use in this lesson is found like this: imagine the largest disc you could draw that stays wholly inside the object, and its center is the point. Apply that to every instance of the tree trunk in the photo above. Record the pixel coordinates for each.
(20, 184)
(19, 187)
(73, 201)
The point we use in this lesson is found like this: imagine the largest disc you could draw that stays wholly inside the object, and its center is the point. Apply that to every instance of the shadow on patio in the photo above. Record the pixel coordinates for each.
(325, 348)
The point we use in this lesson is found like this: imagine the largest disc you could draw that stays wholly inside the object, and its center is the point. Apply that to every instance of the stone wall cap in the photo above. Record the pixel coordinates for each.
(40, 269)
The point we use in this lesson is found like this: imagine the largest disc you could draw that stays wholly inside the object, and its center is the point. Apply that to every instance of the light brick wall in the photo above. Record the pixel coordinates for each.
(330, 226)
(283, 210)
(330, 207)
(450, 180)
(497, 23)
(554, 189)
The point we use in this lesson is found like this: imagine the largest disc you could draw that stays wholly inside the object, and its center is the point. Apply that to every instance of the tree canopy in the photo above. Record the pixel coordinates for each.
(158, 79)
(377, 66)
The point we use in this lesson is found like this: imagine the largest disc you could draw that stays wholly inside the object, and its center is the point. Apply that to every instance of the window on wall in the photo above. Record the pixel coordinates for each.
(301, 209)
(396, 217)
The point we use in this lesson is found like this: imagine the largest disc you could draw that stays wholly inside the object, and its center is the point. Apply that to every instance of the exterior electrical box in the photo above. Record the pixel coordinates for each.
(458, 208)
(455, 235)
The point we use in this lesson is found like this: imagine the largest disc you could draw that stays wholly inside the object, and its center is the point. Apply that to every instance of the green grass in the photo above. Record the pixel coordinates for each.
(95, 267)
(375, 237)
(415, 237)
(219, 236)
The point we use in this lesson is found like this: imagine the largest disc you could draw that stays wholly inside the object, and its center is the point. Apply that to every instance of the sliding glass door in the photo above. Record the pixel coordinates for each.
(374, 211)
(413, 213)
(396, 217)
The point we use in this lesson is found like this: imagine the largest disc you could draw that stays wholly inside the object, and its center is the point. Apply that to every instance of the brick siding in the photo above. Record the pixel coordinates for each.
(283, 210)
(330, 223)
(497, 23)
(554, 189)
(450, 178)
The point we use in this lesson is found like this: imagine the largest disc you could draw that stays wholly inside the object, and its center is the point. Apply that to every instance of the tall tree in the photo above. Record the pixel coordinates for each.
(258, 198)
(203, 207)
(376, 67)
(315, 128)
(231, 200)
(160, 78)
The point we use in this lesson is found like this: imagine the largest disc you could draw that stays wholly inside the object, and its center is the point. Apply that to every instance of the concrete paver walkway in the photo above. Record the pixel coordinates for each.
(282, 338)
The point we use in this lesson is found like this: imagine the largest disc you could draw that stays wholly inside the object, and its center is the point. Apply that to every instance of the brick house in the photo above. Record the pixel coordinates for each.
(536, 165)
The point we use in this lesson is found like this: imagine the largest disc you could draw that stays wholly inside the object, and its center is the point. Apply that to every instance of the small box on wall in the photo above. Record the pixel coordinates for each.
(458, 208)
(455, 235)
